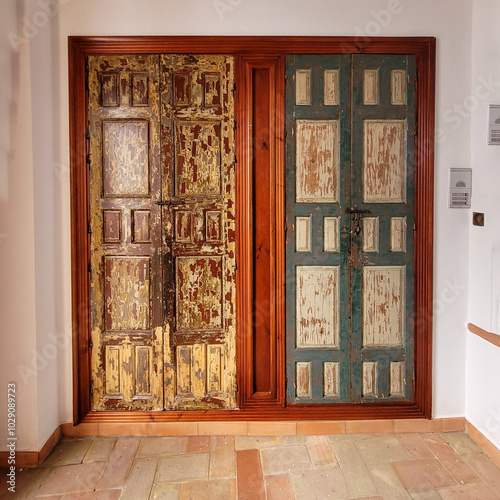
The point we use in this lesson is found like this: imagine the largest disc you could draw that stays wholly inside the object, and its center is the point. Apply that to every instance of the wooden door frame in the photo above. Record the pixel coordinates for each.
(249, 52)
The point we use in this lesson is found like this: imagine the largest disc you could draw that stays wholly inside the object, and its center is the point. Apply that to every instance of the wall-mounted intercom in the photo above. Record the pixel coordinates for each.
(460, 187)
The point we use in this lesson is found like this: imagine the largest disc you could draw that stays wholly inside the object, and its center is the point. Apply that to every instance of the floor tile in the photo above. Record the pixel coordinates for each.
(285, 459)
(387, 482)
(68, 429)
(439, 466)
(319, 484)
(180, 468)
(218, 489)
(486, 469)
(271, 428)
(165, 492)
(461, 443)
(382, 449)
(69, 451)
(27, 481)
(222, 457)
(359, 480)
(418, 425)
(162, 446)
(256, 442)
(321, 451)
(100, 449)
(198, 444)
(173, 429)
(421, 475)
(279, 487)
(71, 479)
(287, 440)
(468, 492)
(425, 495)
(321, 427)
(94, 495)
(454, 424)
(119, 463)
(222, 428)
(249, 475)
(370, 426)
(140, 479)
(346, 452)
(455, 464)
(415, 446)
(123, 428)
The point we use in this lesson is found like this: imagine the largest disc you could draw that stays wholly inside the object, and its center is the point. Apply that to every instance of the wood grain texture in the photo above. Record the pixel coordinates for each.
(383, 305)
(317, 161)
(317, 306)
(260, 97)
(370, 87)
(398, 87)
(384, 161)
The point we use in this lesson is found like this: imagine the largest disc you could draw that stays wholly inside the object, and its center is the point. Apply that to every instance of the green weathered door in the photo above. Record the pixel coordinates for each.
(350, 215)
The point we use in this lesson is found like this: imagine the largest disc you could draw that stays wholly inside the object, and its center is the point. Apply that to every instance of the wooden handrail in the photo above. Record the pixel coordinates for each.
(493, 338)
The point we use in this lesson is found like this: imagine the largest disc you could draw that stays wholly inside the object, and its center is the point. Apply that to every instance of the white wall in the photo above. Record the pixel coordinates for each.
(483, 359)
(448, 20)
(17, 225)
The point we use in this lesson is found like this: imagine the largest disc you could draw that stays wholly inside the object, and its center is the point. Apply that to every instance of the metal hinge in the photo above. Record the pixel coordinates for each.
(91, 387)
(89, 268)
(235, 126)
(414, 226)
(88, 159)
(90, 343)
(234, 86)
(89, 230)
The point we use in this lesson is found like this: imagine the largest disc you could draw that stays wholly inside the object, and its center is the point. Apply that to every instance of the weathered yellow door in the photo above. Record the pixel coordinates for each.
(162, 232)
(198, 189)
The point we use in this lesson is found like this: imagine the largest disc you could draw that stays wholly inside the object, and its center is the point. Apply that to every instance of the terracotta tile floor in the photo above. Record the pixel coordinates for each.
(363, 466)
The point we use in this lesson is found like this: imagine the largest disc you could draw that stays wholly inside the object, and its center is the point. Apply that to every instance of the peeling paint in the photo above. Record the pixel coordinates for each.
(162, 160)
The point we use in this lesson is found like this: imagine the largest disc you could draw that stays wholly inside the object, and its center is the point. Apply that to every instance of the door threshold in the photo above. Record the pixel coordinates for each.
(339, 412)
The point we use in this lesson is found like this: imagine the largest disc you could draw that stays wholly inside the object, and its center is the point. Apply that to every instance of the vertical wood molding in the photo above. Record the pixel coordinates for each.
(80, 239)
(260, 168)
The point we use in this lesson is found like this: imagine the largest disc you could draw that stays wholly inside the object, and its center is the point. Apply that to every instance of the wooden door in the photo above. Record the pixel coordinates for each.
(162, 232)
(198, 193)
(125, 228)
(349, 204)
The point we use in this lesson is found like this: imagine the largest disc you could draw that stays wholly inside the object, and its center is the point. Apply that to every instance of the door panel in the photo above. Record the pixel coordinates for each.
(350, 202)
(383, 251)
(198, 197)
(125, 227)
(162, 232)
(317, 229)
